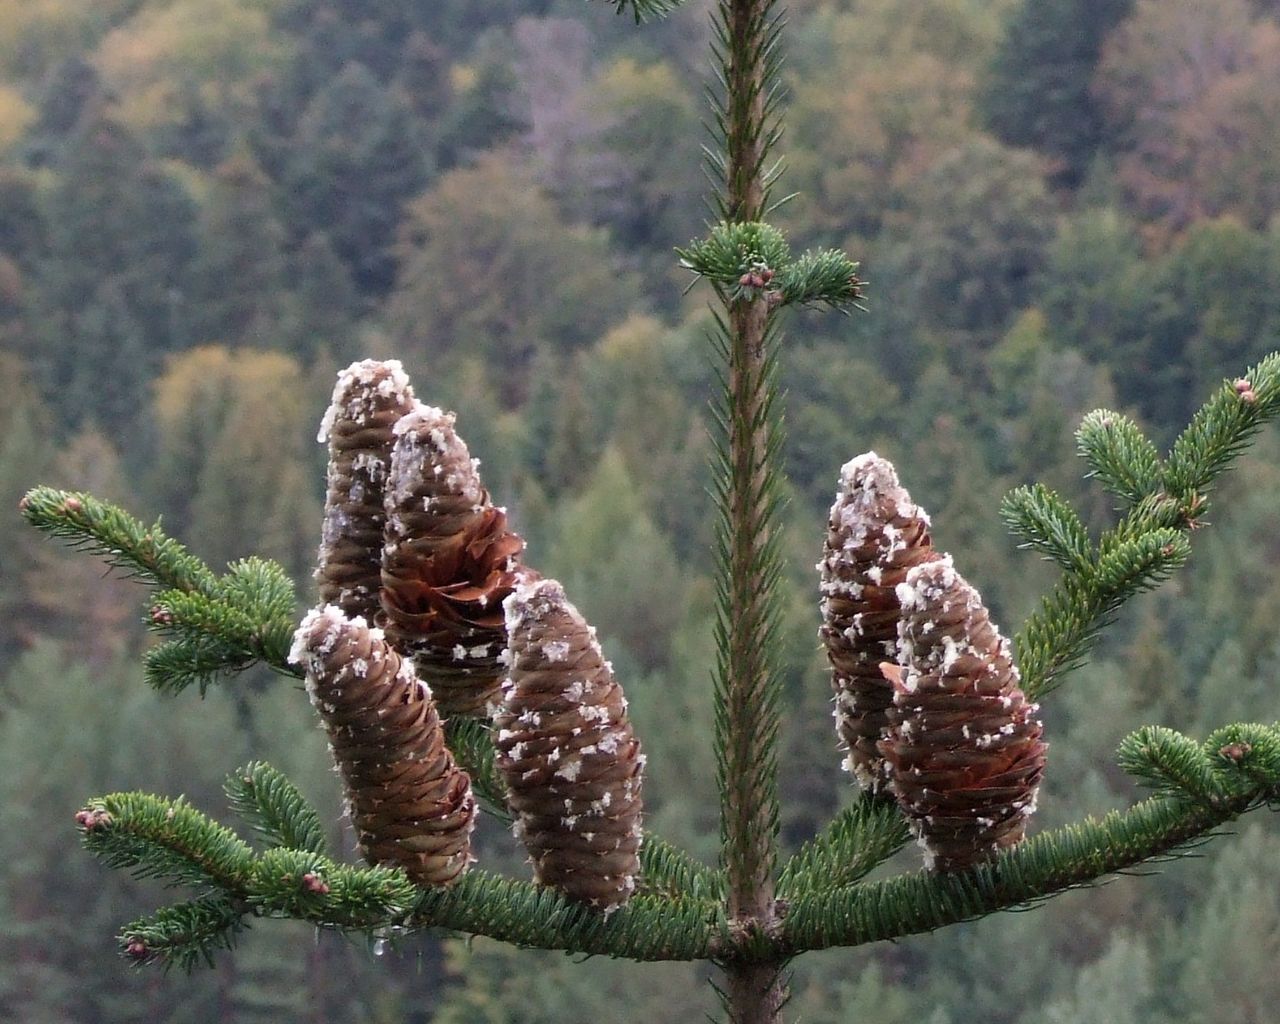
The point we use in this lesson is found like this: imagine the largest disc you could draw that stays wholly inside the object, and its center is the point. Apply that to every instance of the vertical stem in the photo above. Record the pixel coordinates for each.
(747, 729)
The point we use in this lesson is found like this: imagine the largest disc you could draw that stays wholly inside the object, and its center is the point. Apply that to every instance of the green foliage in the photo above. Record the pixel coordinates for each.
(184, 935)
(642, 9)
(1045, 865)
(274, 807)
(1048, 525)
(1038, 88)
(860, 838)
(135, 223)
(169, 839)
(1119, 455)
(102, 529)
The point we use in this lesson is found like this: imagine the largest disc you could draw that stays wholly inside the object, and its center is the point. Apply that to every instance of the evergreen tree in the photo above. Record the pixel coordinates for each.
(1038, 92)
(957, 707)
(358, 159)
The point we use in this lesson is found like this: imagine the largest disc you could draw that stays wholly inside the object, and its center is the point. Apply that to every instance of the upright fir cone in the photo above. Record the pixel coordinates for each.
(963, 744)
(874, 536)
(566, 749)
(368, 399)
(448, 563)
(411, 805)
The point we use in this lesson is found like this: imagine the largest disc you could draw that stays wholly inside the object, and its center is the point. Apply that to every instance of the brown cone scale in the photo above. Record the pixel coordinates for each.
(412, 807)
(448, 562)
(963, 744)
(368, 399)
(567, 751)
(875, 534)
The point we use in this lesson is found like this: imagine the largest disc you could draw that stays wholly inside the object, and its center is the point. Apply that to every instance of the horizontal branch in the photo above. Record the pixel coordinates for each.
(1044, 866)
(141, 551)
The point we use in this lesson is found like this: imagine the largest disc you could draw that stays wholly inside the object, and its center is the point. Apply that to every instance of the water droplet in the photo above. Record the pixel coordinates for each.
(379, 946)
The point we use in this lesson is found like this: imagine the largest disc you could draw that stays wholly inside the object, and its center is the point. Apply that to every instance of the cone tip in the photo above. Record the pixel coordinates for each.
(927, 582)
(319, 632)
(533, 598)
(361, 387)
(423, 418)
(868, 472)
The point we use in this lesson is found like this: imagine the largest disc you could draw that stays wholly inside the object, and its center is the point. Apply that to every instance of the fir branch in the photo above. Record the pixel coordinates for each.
(309, 887)
(169, 839)
(140, 551)
(1170, 763)
(1119, 455)
(1222, 428)
(861, 837)
(821, 277)
(642, 10)
(646, 928)
(1059, 634)
(1048, 524)
(669, 871)
(1245, 753)
(197, 660)
(184, 935)
(274, 808)
(471, 743)
(747, 683)
(1150, 541)
(1042, 867)
(249, 617)
(262, 591)
(742, 260)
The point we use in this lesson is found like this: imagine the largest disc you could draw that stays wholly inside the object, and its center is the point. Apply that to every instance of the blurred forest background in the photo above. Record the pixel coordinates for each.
(209, 206)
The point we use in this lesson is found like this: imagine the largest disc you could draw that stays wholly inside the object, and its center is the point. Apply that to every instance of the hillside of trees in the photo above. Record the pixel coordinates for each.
(207, 207)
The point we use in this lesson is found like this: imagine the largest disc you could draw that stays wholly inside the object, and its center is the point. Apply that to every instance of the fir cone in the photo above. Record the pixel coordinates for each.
(411, 805)
(566, 749)
(963, 744)
(448, 562)
(875, 534)
(368, 399)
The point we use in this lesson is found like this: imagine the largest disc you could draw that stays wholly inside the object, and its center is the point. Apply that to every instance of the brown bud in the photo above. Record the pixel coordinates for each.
(1235, 751)
(963, 745)
(136, 949)
(91, 818)
(72, 505)
(312, 882)
(876, 533)
(411, 805)
(566, 749)
(368, 399)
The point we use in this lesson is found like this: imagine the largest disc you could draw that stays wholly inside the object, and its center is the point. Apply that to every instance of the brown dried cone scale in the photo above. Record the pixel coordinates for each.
(566, 750)
(963, 744)
(874, 536)
(411, 805)
(448, 562)
(368, 399)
